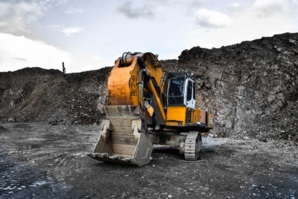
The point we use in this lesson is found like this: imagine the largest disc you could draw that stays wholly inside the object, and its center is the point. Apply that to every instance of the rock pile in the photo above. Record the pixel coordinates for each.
(38, 95)
(250, 88)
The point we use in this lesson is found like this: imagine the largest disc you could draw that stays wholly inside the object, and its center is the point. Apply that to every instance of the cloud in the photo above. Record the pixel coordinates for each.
(131, 11)
(15, 16)
(71, 30)
(211, 19)
(236, 5)
(74, 10)
(17, 52)
(68, 31)
(267, 8)
(247, 24)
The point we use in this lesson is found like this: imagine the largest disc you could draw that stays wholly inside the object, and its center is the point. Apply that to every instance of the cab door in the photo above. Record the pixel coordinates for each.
(190, 93)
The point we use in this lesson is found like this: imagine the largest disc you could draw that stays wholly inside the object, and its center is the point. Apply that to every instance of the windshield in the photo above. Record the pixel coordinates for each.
(176, 92)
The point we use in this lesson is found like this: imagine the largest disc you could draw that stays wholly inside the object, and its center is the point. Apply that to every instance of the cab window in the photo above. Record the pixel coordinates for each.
(189, 90)
(176, 92)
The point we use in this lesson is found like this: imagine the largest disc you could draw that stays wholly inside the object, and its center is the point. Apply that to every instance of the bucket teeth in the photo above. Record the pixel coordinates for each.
(110, 158)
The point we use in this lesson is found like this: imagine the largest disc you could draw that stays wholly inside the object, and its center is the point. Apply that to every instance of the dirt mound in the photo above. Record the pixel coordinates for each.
(250, 88)
(38, 95)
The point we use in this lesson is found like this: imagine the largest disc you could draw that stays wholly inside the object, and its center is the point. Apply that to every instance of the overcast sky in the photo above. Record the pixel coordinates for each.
(91, 34)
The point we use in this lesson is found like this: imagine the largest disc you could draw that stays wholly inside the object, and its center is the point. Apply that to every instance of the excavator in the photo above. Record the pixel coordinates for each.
(148, 107)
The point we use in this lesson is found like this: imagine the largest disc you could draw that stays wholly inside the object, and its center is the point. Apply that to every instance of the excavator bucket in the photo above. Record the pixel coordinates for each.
(121, 139)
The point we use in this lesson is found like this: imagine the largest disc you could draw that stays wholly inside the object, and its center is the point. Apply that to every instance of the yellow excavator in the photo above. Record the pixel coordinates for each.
(147, 106)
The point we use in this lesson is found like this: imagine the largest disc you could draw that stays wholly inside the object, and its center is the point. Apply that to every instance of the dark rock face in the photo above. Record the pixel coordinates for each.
(251, 88)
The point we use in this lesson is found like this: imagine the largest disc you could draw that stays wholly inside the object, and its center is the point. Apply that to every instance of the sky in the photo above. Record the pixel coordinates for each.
(91, 34)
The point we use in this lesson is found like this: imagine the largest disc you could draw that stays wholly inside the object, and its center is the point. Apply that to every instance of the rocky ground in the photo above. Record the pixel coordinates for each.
(45, 161)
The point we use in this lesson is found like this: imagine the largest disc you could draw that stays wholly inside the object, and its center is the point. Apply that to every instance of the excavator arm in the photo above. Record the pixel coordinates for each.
(133, 85)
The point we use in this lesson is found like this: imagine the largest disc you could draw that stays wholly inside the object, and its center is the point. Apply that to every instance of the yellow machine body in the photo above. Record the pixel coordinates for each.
(182, 116)
(148, 106)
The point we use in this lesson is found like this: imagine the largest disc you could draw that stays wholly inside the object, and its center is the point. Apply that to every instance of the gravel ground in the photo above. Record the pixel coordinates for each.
(45, 161)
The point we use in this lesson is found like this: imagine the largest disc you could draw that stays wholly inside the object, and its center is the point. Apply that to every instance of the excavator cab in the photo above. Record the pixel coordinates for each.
(181, 90)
